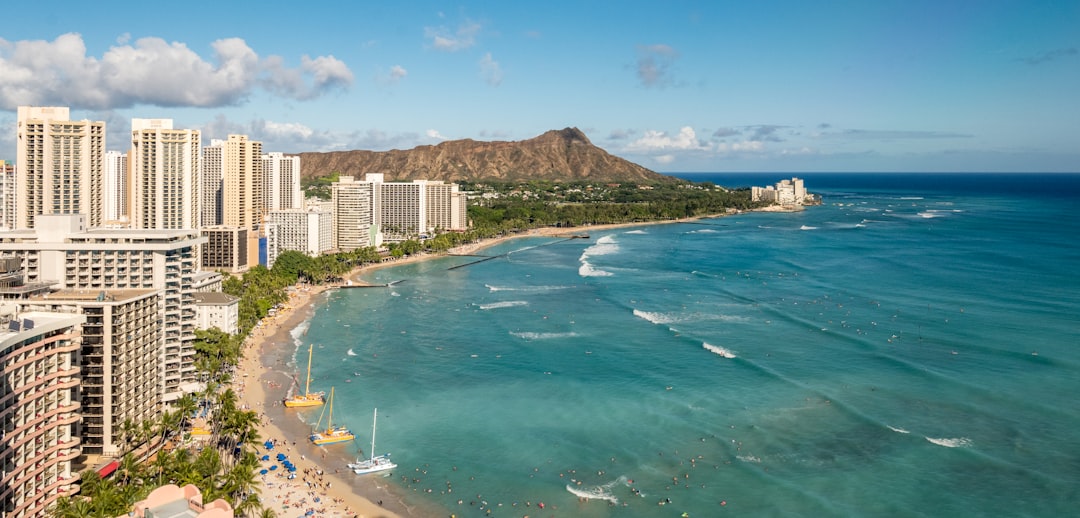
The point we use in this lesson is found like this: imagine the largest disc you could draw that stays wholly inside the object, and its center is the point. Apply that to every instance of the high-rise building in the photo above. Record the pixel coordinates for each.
(60, 165)
(65, 254)
(7, 195)
(445, 206)
(165, 175)
(281, 182)
(241, 203)
(114, 189)
(39, 361)
(304, 230)
(211, 183)
(119, 359)
(354, 214)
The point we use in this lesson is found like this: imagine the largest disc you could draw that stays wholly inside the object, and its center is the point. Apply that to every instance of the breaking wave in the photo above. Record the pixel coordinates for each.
(350, 353)
(957, 442)
(601, 492)
(897, 430)
(718, 350)
(674, 318)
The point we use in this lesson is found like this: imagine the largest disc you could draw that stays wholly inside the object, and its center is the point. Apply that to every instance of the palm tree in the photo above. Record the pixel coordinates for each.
(186, 406)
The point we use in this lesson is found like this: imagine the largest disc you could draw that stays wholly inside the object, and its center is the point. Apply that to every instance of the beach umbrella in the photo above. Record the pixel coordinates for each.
(263, 472)
(292, 469)
(269, 445)
(265, 457)
(272, 468)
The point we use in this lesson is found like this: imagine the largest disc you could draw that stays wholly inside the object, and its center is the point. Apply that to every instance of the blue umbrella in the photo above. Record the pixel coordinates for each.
(265, 457)
(292, 469)
(269, 445)
(263, 472)
(272, 468)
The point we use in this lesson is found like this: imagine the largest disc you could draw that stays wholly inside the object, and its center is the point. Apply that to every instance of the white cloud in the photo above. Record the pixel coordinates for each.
(397, 72)
(154, 72)
(654, 140)
(435, 134)
(391, 77)
(491, 70)
(446, 40)
(664, 159)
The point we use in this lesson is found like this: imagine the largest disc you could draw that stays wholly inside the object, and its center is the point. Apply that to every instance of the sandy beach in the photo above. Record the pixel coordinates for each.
(323, 483)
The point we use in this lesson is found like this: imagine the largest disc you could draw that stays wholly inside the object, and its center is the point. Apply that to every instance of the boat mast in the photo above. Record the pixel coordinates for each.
(308, 384)
(373, 418)
(330, 419)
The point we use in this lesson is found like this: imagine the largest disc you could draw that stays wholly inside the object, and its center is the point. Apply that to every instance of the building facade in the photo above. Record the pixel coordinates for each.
(281, 182)
(211, 183)
(310, 231)
(60, 166)
(66, 255)
(241, 192)
(114, 189)
(118, 360)
(7, 195)
(165, 175)
(354, 214)
(785, 192)
(39, 409)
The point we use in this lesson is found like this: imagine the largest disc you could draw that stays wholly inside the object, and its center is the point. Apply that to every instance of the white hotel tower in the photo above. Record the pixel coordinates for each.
(166, 176)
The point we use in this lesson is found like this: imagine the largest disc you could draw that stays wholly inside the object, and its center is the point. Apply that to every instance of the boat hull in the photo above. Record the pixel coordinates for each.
(301, 401)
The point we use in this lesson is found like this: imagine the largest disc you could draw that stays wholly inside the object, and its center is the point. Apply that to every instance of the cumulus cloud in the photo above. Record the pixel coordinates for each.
(490, 69)
(435, 134)
(653, 141)
(397, 72)
(448, 40)
(152, 71)
(654, 63)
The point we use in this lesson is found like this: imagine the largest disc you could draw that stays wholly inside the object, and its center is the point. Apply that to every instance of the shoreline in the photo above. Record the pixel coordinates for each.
(265, 376)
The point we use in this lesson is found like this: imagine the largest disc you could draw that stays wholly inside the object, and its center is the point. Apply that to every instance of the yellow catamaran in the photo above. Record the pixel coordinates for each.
(308, 398)
(331, 435)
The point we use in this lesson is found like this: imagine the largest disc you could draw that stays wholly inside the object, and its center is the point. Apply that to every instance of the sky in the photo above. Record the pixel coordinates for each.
(708, 86)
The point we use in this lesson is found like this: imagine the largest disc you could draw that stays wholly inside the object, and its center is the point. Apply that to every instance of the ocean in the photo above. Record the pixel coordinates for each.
(911, 347)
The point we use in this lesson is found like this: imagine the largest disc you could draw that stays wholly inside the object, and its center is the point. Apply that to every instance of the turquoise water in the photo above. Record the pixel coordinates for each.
(909, 348)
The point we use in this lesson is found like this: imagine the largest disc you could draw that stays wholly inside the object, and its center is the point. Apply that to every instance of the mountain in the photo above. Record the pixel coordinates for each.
(558, 155)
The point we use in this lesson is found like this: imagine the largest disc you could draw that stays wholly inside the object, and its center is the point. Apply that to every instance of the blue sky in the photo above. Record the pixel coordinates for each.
(778, 86)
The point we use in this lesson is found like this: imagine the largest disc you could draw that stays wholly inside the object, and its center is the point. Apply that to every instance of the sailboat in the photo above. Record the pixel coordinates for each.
(308, 398)
(379, 463)
(331, 435)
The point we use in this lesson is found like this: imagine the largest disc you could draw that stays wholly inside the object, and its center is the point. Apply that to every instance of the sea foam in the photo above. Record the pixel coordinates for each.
(526, 288)
(957, 442)
(601, 492)
(350, 353)
(718, 350)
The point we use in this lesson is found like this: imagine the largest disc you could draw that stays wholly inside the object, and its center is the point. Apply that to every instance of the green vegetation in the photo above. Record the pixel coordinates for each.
(318, 187)
(518, 206)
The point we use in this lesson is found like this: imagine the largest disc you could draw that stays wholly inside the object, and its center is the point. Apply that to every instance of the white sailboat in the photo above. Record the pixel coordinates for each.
(375, 463)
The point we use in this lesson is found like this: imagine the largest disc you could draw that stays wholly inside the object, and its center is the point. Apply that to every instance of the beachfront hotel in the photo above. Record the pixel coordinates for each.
(353, 205)
(118, 356)
(785, 192)
(39, 377)
(373, 211)
(309, 230)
